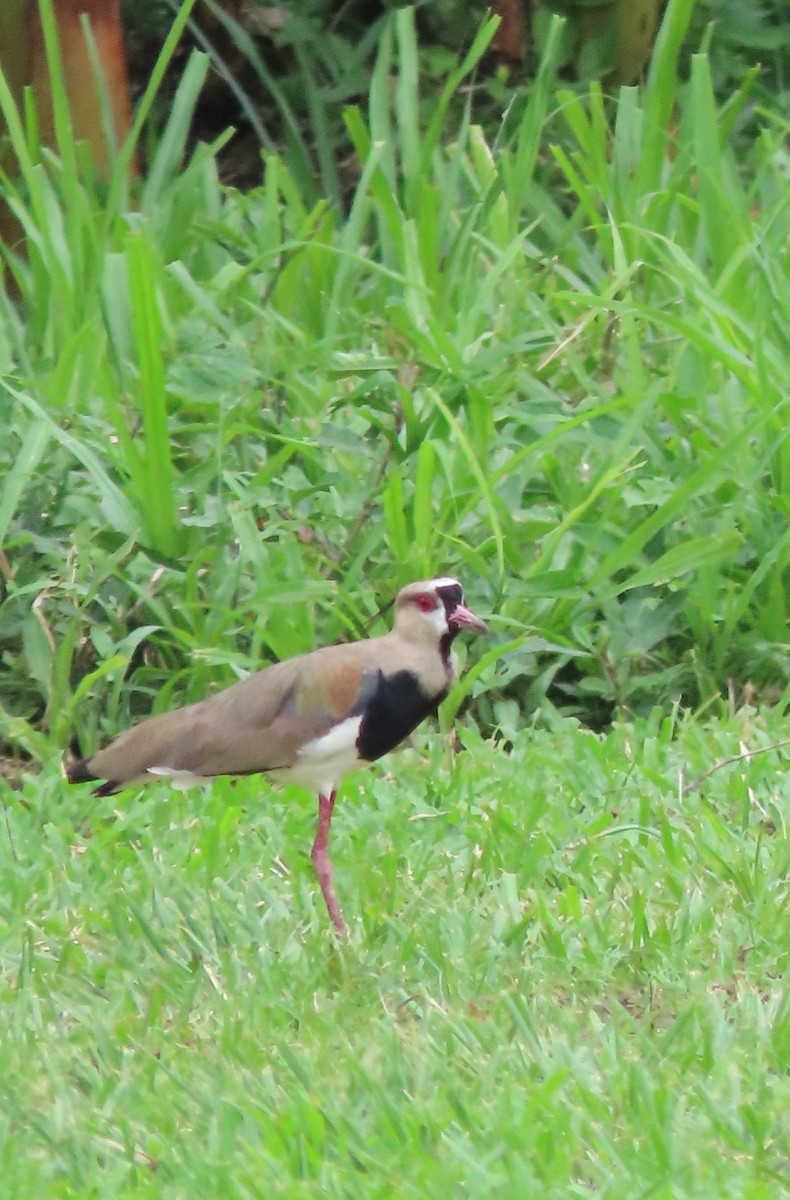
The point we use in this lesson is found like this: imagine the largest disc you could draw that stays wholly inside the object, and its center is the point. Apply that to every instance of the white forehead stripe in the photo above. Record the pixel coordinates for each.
(440, 583)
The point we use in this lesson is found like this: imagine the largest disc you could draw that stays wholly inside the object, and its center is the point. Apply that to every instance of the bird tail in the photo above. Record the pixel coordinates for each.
(75, 766)
(76, 770)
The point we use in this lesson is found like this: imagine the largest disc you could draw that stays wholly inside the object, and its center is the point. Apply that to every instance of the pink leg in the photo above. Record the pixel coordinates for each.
(323, 864)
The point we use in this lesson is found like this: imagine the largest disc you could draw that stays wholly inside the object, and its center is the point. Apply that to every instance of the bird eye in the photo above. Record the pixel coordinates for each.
(425, 603)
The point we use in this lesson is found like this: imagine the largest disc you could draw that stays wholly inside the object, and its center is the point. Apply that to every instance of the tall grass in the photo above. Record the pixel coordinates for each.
(548, 357)
(531, 356)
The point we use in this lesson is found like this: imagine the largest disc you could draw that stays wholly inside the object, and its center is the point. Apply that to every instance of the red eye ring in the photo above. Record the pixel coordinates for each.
(425, 602)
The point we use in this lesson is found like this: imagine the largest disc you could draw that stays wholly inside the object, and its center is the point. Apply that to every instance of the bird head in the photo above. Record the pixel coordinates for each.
(434, 609)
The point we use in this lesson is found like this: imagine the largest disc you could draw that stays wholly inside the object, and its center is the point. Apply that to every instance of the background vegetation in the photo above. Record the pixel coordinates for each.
(547, 354)
(530, 355)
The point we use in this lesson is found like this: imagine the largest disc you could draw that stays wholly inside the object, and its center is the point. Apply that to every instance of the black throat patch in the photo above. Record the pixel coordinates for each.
(392, 708)
(451, 596)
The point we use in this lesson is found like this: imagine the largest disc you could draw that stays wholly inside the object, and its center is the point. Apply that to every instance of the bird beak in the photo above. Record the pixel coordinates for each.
(464, 618)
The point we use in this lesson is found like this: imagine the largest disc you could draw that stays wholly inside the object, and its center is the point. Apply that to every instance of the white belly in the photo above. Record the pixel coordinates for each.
(322, 763)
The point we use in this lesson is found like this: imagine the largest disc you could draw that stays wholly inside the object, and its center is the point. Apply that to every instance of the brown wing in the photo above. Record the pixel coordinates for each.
(259, 724)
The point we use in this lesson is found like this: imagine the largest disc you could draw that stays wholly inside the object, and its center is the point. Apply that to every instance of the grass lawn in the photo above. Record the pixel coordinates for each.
(548, 358)
(564, 978)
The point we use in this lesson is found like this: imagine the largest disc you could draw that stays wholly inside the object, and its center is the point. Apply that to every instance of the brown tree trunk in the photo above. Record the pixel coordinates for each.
(24, 62)
(104, 17)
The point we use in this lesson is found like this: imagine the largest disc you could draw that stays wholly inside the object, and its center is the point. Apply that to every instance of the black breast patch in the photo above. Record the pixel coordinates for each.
(392, 707)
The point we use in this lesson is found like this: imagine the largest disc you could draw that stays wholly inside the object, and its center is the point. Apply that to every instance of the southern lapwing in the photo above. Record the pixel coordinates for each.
(309, 720)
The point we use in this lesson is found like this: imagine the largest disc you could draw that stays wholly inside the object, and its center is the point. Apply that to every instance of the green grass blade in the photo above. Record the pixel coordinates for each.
(485, 492)
(26, 462)
(116, 509)
(156, 493)
(170, 148)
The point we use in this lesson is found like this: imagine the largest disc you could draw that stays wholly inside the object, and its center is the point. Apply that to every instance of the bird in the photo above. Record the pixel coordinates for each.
(307, 720)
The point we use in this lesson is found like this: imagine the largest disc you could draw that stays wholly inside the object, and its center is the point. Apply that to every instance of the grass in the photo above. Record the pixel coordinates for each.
(549, 357)
(527, 355)
(565, 975)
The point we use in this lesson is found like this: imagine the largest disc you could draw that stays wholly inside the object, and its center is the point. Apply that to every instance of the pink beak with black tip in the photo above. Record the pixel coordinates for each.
(463, 618)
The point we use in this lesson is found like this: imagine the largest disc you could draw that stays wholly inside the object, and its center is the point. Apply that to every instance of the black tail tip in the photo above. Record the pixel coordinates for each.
(76, 770)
